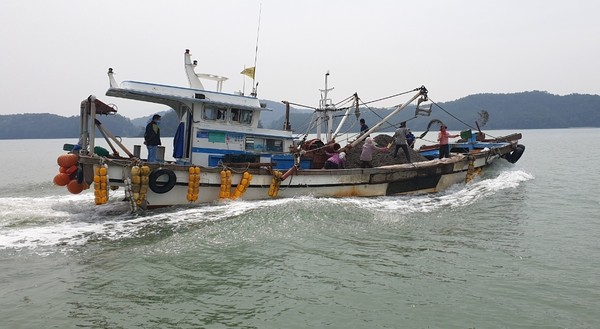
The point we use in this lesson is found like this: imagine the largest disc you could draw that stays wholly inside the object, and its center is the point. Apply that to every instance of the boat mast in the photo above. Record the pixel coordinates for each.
(190, 72)
(254, 84)
(344, 117)
(325, 112)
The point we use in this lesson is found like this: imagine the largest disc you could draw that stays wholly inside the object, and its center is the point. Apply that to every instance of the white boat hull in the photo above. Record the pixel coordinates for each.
(422, 177)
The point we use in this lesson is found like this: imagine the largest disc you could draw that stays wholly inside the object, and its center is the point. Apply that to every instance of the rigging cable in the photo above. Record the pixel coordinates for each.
(306, 106)
(347, 99)
(379, 116)
(457, 119)
(392, 96)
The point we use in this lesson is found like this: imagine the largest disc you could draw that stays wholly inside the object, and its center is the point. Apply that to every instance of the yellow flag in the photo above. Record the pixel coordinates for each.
(248, 72)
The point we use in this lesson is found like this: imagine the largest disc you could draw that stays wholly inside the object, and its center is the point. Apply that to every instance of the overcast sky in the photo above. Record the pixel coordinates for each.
(56, 53)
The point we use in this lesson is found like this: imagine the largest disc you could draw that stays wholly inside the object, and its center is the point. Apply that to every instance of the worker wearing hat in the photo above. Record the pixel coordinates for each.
(335, 161)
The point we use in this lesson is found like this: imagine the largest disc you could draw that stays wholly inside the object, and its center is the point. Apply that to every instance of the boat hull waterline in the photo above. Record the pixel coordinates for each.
(411, 178)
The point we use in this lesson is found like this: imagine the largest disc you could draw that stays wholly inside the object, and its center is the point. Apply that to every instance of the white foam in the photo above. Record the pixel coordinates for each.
(73, 220)
(459, 195)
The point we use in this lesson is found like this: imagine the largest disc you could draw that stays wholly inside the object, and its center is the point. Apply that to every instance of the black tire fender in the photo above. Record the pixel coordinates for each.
(79, 175)
(161, 187)
(516, 154)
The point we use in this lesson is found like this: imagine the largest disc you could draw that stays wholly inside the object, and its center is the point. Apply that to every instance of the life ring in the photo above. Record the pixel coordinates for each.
(516, 154)
(161, 187)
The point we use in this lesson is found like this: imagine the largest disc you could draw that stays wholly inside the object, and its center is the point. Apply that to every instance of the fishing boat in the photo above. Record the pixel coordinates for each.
(221, 153)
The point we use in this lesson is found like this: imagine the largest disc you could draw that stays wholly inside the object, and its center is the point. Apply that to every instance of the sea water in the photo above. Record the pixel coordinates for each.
(518, 247)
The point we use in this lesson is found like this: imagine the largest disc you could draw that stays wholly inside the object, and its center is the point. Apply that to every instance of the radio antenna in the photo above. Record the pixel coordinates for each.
(255, 86)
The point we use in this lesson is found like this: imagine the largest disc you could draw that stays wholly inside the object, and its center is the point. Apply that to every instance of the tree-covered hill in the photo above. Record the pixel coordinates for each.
(535, 109)
(46, 125)
(526, 110)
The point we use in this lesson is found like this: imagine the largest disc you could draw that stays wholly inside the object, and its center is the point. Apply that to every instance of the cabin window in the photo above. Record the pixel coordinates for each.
(259, 144)
(212, 113)
(246, 117)
(241, 116)
(235, 115)
(274, 145)
(249, 143)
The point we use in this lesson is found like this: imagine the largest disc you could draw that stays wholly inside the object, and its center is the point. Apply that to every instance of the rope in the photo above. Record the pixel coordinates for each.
(313, 121)
(457, 119)
(308, 107)
(428, 140)
(222, 165)
(309, 126)
(347, 99)
(379, 116)
(392, 96)
(316, 149)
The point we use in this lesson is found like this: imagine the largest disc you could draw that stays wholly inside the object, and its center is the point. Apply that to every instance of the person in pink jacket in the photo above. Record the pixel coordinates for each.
(443, 139)
(335, 161)
(366, 156)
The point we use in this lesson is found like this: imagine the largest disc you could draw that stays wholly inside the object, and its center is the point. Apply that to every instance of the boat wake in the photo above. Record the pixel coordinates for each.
(67, 221)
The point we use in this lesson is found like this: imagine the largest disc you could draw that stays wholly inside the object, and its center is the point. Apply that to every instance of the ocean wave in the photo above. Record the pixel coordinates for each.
(73, 220)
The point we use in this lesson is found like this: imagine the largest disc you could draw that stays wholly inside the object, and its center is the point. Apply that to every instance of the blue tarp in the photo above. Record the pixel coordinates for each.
(178, 141)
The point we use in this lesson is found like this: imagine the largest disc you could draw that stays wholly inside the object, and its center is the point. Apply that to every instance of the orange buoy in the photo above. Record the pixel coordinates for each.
(67, 160)
(62, 169)
(61, 179)
(74, 187)
(71, 170)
